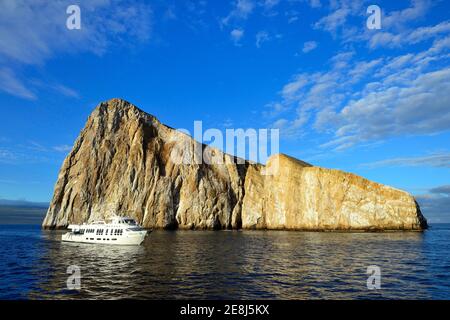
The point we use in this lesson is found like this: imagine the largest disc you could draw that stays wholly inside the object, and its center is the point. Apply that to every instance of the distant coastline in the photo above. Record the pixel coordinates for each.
(22, 212)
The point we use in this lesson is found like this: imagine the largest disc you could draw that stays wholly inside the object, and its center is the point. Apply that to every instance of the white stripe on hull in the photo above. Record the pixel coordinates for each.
(134, 239)
(121, 231)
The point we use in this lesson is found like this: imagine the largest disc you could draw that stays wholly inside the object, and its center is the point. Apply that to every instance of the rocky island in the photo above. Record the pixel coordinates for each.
(121, 163)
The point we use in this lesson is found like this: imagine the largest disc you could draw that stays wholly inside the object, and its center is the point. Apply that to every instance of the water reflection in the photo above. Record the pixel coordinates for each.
(245, 265)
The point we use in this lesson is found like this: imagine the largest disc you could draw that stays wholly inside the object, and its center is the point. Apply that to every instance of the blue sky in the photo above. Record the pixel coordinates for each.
(372, 102)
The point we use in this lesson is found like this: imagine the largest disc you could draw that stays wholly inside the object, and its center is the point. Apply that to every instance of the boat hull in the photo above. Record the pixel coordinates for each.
(136, 238)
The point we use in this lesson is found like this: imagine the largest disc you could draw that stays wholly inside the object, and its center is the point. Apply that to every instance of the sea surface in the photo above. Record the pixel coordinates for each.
(228, 265)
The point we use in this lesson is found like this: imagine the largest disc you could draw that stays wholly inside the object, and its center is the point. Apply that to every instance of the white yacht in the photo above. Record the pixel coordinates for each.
(119, 230)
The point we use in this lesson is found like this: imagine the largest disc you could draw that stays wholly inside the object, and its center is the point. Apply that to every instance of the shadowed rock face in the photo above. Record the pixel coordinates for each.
(123, 163)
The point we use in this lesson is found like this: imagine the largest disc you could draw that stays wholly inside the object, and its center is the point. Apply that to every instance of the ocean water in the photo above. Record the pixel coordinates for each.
(228, 265)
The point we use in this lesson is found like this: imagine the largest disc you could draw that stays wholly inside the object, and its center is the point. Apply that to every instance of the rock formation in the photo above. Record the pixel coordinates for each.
(123, 163)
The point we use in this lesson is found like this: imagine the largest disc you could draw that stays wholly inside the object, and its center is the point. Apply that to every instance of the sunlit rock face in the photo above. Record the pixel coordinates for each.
(126, 162)
(300, 196)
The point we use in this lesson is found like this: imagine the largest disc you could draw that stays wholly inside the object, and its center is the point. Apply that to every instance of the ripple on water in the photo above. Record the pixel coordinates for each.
(228, 265)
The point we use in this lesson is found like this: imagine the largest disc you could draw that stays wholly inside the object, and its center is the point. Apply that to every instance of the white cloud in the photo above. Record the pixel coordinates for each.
(292, 16)
(396, 40)
(315, 3)
(358, 101)
(420, 106)
(32, 32)
(261, 37)
(53, 87)
(309, 46)
(241, 11)
(398, 19)
(440, 160)
(398, 27)
(9, 83)
(333, 21)
(270, 4)
(236, 36)
(6, 155)
(32, 152)
(62, 148)
(290, 129)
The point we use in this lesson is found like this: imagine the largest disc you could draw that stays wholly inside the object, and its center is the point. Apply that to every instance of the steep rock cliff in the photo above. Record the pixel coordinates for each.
(123, 162)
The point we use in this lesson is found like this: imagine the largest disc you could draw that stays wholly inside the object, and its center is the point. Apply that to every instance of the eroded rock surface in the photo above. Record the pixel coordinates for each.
(123, 162)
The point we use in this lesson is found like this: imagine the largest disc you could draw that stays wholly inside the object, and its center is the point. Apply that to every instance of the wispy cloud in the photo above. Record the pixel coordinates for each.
(396, 40)
(398, 27)
(261, 37)
(236, 36)
(6, 155)
(333, 21)
(54, 88)
(11, 84)
(309, 46)
(441, 160)
(407, 94)
(32, 32)
(241, 11)
(62, 148)
(32, 152)
(270, 4)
